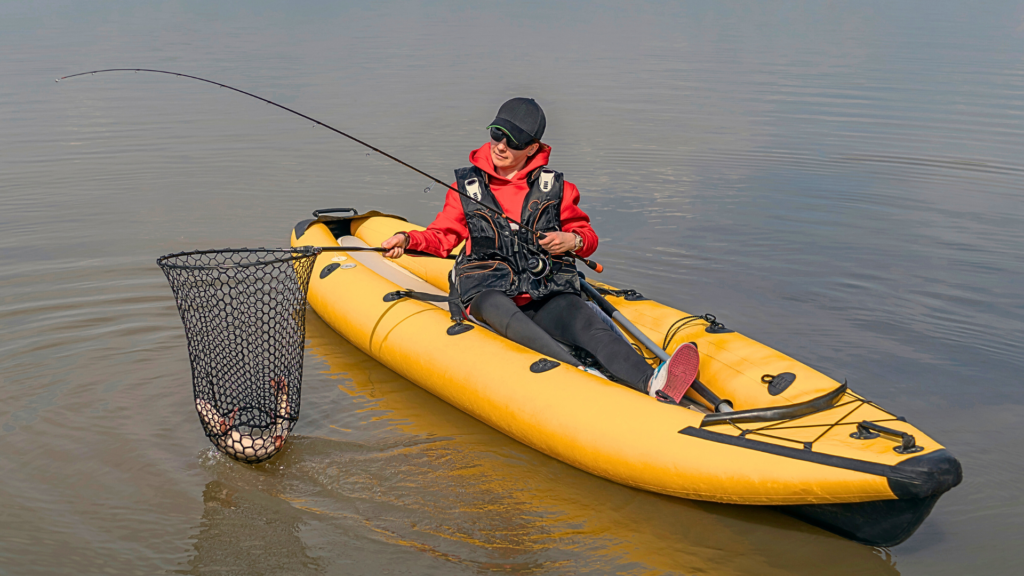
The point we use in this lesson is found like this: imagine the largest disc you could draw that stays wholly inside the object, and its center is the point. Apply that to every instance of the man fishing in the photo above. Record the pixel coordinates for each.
(521, 284)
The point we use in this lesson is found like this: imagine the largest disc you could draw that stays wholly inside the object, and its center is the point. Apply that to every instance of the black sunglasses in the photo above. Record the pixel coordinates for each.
(497, 134)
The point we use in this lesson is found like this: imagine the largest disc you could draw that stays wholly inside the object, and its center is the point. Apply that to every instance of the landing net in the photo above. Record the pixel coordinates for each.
(244, 312)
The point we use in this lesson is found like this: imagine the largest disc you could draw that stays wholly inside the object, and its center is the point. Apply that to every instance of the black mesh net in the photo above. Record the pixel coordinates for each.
(244, 312)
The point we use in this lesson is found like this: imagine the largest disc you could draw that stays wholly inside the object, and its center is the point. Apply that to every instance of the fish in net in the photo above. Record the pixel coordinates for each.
(244, 312)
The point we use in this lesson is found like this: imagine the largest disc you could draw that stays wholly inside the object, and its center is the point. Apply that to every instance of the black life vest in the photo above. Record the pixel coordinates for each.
(499, 250)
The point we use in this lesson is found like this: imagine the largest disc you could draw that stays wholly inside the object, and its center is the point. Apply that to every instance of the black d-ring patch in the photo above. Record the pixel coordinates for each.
(328, 269)
(543, 365)
(778, 383)
(459, 328)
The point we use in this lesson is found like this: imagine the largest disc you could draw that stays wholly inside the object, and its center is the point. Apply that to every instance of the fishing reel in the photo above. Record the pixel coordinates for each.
(538, 267)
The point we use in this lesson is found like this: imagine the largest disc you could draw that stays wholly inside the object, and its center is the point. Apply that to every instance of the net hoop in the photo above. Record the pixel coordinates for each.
(167, 260)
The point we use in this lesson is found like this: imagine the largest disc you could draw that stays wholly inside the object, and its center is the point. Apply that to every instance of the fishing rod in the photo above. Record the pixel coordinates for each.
(540, 235)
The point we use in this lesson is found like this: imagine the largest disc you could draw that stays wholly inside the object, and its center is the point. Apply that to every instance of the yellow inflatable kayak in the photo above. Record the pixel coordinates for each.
(797, 439)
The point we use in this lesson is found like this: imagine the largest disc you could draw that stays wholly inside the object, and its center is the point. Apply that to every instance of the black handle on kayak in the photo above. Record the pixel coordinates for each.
(867, 430)
(317, 213)
(717, 404)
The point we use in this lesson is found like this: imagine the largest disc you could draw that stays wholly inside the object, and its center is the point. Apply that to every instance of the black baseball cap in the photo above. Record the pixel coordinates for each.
(521, 119)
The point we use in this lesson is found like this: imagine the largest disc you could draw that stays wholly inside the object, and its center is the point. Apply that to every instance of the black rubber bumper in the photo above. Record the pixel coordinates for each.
(917, 482)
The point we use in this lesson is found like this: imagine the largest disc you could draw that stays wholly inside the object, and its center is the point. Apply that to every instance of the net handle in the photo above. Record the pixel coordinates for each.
(297, 253)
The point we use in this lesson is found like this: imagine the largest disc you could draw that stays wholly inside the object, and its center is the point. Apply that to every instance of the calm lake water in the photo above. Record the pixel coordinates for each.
(842, 181)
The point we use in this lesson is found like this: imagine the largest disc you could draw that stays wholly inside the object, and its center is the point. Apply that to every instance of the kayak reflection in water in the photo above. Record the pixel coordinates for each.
(524, 288)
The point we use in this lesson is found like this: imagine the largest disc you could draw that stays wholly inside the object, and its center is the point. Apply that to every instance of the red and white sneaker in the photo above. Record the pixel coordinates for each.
(672, 379)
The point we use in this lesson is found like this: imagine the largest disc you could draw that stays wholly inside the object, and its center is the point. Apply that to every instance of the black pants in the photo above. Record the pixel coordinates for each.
(564, 317)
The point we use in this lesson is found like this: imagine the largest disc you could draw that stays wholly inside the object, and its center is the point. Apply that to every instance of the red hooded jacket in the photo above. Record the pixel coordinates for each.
(449, 228)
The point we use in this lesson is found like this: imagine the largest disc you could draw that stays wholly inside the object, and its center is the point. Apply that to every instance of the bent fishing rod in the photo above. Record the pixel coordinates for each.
(540, 235)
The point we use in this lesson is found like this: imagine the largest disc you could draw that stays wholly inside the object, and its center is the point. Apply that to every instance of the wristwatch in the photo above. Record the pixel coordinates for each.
(579, 242)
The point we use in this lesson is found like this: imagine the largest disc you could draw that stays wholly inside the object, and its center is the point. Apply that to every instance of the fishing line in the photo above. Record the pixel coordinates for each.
(540, 235)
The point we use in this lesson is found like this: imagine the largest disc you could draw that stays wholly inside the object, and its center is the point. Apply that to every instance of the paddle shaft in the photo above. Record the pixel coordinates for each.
(717, 403)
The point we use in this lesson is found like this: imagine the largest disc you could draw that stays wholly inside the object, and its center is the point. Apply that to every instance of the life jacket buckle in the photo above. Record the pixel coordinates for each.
(473, 189)
(547, 178)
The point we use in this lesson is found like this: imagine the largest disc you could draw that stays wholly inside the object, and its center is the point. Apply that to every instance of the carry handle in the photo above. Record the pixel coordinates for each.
(317, 213)
(868, 430)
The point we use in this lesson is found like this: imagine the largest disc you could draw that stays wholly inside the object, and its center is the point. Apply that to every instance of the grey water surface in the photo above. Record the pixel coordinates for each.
(842, 181)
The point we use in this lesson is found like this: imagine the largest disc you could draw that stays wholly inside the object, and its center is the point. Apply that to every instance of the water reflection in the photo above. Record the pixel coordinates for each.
(247, 531)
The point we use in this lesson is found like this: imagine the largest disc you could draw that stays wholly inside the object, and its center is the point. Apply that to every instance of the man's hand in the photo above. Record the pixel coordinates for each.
(396, 245)
(558, 242)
